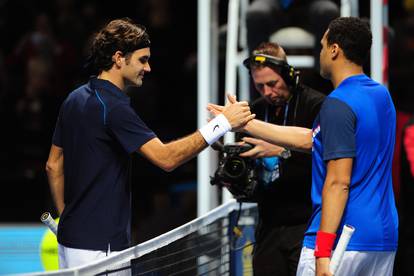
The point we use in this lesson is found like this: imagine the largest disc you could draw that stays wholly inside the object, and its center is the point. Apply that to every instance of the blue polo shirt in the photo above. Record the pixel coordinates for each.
(98, 131)
(357, 120)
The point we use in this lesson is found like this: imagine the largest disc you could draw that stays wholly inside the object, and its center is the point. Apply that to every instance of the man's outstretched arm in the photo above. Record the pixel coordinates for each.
(294, 138)
(171, 155)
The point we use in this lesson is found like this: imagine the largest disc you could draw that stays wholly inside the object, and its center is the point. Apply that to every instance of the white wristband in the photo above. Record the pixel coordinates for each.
(216, 128)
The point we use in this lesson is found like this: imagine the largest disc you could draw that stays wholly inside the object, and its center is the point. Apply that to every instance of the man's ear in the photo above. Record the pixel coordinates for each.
(334, 50)
(118, 58)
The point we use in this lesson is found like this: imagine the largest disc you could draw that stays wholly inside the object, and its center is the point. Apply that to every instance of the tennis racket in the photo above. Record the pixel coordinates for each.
(47, 219)
(340, 248)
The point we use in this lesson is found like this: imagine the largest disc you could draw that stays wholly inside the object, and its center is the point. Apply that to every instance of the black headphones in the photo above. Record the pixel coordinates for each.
(289, 74)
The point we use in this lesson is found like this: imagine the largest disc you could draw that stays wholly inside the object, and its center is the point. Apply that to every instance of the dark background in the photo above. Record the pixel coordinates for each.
(43, 50)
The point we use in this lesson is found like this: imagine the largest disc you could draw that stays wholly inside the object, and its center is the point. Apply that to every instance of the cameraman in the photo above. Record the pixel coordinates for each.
(285, 177)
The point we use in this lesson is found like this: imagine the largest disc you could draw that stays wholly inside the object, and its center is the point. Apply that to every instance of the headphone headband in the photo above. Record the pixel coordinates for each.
(288, 73)
(263, 59)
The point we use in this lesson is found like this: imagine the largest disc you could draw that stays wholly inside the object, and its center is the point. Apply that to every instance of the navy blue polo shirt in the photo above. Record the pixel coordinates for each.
(98, 131)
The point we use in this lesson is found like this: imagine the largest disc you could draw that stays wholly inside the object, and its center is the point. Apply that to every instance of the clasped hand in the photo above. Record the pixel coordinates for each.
(237, 113)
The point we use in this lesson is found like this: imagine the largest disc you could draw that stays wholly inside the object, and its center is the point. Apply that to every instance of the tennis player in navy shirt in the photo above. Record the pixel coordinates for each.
(352, 144)
(96, 133)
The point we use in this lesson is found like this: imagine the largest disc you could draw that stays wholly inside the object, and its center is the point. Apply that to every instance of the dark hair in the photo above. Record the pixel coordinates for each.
(118, 35)
(353, 36)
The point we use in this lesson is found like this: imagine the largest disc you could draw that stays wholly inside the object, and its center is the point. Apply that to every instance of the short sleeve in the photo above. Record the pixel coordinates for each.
(337, 121)
(57, 134)
(130, 131)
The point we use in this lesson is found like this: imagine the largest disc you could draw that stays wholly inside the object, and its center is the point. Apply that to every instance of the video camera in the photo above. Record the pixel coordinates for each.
(238, 174)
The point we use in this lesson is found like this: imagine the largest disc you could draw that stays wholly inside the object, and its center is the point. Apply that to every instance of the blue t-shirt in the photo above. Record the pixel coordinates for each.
(357, 120)
(98, 131)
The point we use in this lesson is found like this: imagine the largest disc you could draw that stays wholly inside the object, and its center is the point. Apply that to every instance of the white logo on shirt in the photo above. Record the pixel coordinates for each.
(315, 132)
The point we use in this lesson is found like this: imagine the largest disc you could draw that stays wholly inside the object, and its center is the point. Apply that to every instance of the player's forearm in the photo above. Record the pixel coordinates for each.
(334, 198)
(58, 196)
(56, 183)
(295, 138)
(55, 175)
(182, 150)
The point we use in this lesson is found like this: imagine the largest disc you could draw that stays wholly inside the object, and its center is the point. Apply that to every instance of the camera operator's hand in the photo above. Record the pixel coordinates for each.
(237, 113)
(261, 149)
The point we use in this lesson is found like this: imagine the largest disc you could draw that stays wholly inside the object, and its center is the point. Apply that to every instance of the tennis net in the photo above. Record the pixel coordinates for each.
(218, 243)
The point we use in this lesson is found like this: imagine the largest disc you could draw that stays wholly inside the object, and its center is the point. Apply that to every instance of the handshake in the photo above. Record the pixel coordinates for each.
(233, 116)
(237, 113)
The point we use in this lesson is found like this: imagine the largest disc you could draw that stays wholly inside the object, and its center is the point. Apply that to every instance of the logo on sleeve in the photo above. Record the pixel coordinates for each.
(315, 131)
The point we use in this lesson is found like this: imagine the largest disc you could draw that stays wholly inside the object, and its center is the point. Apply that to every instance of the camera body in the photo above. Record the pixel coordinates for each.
(238, 174)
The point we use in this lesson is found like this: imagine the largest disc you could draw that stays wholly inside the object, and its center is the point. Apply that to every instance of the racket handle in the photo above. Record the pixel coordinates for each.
(47, 219)
(340, 248)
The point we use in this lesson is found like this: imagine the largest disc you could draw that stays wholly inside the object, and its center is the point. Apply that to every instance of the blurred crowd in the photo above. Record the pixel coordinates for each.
(42, 58)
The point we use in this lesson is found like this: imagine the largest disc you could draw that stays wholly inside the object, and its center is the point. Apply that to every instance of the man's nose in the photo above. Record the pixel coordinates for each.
(267, 90)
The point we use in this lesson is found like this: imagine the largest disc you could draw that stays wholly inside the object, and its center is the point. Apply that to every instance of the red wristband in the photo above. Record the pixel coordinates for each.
(324, 244)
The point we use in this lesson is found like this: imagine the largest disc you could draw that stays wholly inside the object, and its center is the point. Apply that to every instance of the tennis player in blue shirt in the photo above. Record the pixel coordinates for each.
(352, 144)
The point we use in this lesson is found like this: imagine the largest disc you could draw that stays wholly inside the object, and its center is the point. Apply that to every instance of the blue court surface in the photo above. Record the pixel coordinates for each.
(20, 247)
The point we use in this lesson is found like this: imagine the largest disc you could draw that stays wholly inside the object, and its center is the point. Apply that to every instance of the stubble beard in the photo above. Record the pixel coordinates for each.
(279, 102)
(324, 74)
(135, 83)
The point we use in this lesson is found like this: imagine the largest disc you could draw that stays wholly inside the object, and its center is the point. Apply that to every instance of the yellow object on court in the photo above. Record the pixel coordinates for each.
(49, 250)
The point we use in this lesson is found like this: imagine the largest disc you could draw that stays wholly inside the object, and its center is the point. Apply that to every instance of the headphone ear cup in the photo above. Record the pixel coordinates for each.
(296, 76)
(290, 75)
(293, 76)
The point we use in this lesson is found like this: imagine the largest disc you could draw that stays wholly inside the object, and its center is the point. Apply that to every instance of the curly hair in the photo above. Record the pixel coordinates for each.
(118, 35)
(353, 35)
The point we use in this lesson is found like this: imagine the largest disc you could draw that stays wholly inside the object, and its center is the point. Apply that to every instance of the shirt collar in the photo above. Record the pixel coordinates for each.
(351, 78)
(100, 84)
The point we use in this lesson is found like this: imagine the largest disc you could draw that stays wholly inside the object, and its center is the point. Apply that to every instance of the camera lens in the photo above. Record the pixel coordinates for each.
(235, 167)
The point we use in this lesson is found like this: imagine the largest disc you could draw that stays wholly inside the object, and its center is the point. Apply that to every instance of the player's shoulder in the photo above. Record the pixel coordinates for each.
(78, 92)
(334, 107)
